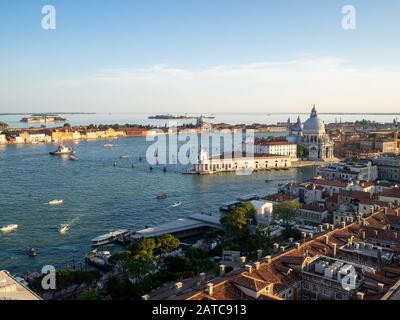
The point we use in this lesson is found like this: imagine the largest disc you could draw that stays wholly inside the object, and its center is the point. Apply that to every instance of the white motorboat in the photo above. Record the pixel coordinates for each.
(73, 157)
(62, 150)
(176, 204)
(108, 237)
(109, 145)
(9, 228)
(63, 228)
(56, 202)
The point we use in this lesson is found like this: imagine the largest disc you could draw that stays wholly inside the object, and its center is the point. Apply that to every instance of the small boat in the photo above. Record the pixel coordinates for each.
(73, 158)
(99, 259)
(31, 252)
(176, 204)
(9, 228)
(56, 202)
(108, 238)
(109, 145)
(162, 196)
(62, 150)
(244, 172)
(63, 228)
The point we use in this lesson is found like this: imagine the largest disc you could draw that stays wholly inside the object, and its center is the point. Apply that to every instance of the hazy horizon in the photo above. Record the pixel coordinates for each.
(174, 56)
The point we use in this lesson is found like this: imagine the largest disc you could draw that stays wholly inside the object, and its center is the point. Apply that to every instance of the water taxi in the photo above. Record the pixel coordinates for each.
(108, 237)
(176, 204)
(62, 150)
(56, 202)
(9, 228)
(31, 252)
(63, 228)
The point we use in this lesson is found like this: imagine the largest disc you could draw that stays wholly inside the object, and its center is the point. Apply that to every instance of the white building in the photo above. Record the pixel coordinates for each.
(264, 210)
(350, 171)
(37, 138)
(243, 163)
(283, 148)
(313, 137)
(3, 139)
(12, 289)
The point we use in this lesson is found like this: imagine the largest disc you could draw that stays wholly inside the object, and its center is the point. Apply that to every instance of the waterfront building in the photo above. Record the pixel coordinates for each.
(3, 139)
(388, 167)
(349, 171)
(38, 138)
(12, 289)
(313, 137)
(332, 186)
(217, 164)
(284, 148)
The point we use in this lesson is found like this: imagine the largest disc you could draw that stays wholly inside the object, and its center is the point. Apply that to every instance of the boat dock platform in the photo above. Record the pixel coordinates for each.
(192, 225)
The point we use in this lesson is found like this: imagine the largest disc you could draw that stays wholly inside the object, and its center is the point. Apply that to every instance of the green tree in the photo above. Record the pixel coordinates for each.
(139, 266)
(67, 125)
(237, 221)
(301, 151)
(287, 211)
(167, 243)
(143, 245)
(90, 294)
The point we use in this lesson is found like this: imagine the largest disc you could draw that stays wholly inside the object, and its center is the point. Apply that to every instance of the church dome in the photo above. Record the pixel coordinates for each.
(314, 124)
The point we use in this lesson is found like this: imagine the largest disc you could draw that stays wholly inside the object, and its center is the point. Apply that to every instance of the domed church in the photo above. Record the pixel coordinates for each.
(313, 137)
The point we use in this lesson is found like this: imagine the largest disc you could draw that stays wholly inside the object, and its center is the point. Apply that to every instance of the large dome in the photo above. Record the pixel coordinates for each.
(314, 123)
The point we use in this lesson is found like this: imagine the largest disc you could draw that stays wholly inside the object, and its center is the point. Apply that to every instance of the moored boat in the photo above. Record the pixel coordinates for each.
(162, 196)
(73, 157)
(9, 228)
(108, 237)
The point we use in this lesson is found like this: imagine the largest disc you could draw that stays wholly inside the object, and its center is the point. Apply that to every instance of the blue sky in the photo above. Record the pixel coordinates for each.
(172, 56)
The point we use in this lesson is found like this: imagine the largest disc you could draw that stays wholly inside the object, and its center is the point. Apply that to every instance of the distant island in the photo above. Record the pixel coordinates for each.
(177, 117)
(43, 119)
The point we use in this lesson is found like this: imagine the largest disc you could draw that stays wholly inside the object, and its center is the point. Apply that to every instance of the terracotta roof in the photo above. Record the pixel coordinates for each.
(250, 283)
(331, 183)
(394, 193)
(313, 208)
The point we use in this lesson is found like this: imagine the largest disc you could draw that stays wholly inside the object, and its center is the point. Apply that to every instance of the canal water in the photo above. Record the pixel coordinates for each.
(99, 197)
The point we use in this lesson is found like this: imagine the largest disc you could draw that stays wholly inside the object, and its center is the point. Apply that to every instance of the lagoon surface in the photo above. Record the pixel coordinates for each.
(99, 197)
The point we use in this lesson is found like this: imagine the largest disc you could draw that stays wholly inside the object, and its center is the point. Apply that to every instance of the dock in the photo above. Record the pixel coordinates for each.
(192, 225)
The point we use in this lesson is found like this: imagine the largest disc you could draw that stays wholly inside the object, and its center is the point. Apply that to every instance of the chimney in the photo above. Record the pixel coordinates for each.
(360, 295)
(268, 259)
(275, 247)
(259, 254)
(298, 245)
(178, 287)
(343, 225)
(310, 235)
(363, 236)
(289, 272)
(321, 228)
(257, 265)
(350, 241)
(334, 245)
(210, 289)
(381, 287)
(326, 239)
(304, 235)
(332, 227)
(290, 240)
(282, 248)
(385, 210)
(248, 268)
(395, 235)
(221, 269)
(146, 297)
(327, 225)
(243, 260)
(376, 233)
